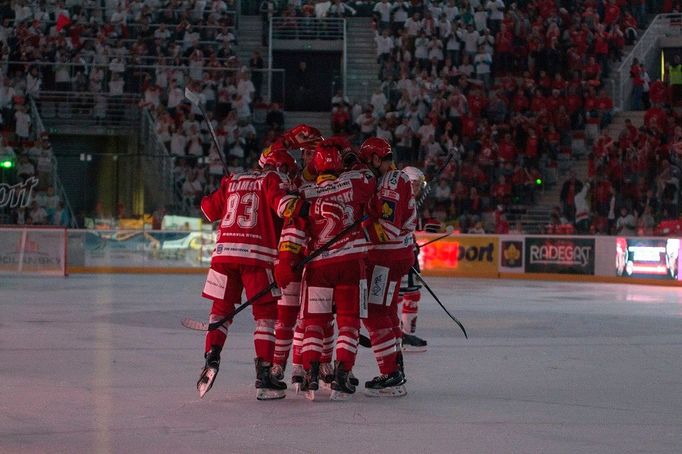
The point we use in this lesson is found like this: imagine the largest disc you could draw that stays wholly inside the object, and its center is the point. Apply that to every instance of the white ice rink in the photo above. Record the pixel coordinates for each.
(100, 363)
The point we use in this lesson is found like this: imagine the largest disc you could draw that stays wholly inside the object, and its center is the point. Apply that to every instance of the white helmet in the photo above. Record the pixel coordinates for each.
(414, 174)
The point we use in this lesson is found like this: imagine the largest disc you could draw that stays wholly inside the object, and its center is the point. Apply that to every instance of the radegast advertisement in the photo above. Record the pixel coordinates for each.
(656, 258)
(563, 255)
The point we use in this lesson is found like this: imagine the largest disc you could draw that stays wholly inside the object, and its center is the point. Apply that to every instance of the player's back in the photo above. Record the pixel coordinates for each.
(351, 189)
(249, 226)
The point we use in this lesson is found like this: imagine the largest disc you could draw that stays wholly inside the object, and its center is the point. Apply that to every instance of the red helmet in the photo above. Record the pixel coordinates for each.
(326, 158)
(276, 155)
(375, 146)
(342, 143)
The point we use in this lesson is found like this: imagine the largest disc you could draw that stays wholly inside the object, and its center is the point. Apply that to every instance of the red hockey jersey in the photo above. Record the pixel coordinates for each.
(393, 218)
(352, 189)
(250, 206)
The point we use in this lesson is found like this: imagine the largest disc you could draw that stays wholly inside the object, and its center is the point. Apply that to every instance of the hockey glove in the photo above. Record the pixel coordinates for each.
(327, 209)
(301, 136)
(284, 271)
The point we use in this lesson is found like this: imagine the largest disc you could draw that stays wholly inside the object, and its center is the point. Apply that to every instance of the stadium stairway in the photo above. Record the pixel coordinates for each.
(320, 120)
(363, 69)
(249, 39)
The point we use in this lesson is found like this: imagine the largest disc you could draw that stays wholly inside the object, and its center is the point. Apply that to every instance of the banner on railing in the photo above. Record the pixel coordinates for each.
(137, 248)
(468, 255)
(511, 254)
(657, 258)
(563, 255)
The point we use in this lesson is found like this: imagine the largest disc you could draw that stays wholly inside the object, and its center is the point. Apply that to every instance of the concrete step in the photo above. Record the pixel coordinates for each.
(320, 120)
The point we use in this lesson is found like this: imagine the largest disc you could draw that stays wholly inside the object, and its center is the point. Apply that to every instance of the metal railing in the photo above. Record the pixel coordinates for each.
(307, 28)
(39, 129)
(158, 165)
(66, 109)
(646, 51)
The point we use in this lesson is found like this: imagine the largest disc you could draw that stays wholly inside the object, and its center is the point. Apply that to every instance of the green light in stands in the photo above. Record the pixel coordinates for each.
(538, 181)
(7, 164)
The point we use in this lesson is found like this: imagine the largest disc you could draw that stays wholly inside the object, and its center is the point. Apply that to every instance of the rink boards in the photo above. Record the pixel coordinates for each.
(651, 260)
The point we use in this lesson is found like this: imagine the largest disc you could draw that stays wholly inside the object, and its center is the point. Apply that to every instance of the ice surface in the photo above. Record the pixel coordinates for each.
(100, 363)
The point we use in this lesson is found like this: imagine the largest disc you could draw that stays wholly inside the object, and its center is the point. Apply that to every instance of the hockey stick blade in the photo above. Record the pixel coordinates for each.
(454, 319)
(364, 341)
(194, 324)
(191, 96)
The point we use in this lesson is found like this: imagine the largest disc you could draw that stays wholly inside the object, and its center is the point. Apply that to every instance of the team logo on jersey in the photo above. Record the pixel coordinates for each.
(388, 210)
(219, 249)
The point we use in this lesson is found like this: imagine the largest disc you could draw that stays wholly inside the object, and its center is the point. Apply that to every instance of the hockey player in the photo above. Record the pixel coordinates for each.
(390, 229)
(410, 295)
(333, 278)
(289, 328)
(250, 207)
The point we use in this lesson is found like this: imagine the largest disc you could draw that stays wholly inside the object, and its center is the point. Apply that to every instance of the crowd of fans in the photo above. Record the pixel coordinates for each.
(634, 178)
(104, 49)
(492, 87)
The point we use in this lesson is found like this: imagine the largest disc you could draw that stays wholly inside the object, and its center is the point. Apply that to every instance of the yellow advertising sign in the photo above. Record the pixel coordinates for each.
(459, 255)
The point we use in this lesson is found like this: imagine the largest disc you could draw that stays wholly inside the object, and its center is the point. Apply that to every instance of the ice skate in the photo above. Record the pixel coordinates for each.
(389, 385)
(210, 371)
(342, 388)
(412, 343)
(267, 386)
(311, 381)
(297, 378)
(326, 374)
(277, 372)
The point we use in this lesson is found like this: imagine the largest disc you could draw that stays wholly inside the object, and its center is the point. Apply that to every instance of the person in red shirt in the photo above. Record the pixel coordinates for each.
(250, 207)
(637, 85)
(390, 229)
(506, 149)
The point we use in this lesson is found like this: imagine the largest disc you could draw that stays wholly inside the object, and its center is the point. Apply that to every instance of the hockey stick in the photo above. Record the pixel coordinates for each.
(454, 319)
(194, 99)
(203, 326)
(449, 231)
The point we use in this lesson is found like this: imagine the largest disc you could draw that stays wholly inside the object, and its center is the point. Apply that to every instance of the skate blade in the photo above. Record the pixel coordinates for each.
(340, 396)
(270, 394)
(413, 349)
(206, 382)
(393, 391)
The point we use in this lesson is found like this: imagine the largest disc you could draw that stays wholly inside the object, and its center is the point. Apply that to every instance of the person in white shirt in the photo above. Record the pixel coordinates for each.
(178, 144)
(399, 12)
(470, 38)
(23, 123)
(413, 25)
(116, 85)
(378, 102)
(384, 44)
(245, 86)
(495, 15)
(483, 62)
(382, 10)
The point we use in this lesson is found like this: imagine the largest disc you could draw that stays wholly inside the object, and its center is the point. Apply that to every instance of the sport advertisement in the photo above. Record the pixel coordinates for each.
(562, 255)
(657, 258)
(475, 255)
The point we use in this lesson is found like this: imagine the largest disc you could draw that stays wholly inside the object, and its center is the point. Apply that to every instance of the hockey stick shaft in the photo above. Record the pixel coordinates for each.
(299, 266)
(194, 99)
(426, 286)
(419, 246)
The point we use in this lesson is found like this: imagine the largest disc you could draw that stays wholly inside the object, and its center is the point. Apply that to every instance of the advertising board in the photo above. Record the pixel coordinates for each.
(656, 258)
(562, 255)
(466, 255)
